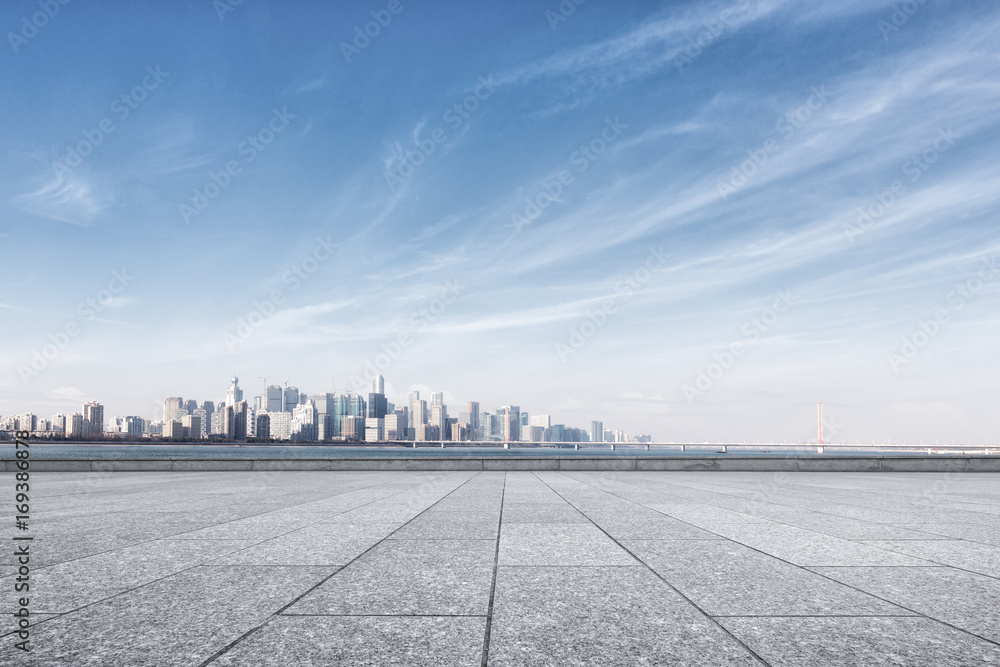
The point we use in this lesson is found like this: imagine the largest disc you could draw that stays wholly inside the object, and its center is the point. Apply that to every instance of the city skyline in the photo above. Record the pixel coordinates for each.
(693, 219)
(191, 418)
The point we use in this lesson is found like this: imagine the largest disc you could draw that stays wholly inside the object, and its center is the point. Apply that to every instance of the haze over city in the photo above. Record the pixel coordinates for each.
(694, 220)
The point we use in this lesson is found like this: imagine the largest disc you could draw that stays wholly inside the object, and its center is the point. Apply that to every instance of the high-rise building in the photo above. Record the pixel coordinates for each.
(425, 432)
(437, 398)
(171, 406)
(395, 425)
(59, 423)
(378, 386)
(596, 431)
(340, 410)
(324, 425)
(511, 416)
(280, 425)
(491, 427)
(352, 427)
(203, 421)
(418, 413)
(234, 420)
(356, 406)
(26, 422)
(377, 405)
(190, 405)
(273, 401)
(209, 408)
(304, 422)
(532, 433)
(234, 394)
(414, 398)
(191, 426)
(439, 420)
(74, 425)
(93, 412)
(290, 396)
(263, 426)
(374, 429)
(325, 403)
(173, 429)
(472, 407)
(134, 426)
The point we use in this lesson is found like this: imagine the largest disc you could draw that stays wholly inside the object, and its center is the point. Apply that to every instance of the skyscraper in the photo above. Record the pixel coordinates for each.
(234, 420)
(356, 406)
(414, 398)
(596, 431)
(418, 413)
(437, 398)
(291, 398)
(304, 422)
(234, 394)
(511, 416)
(377, 405)
(439, 420)
(272, 401)
(171, 406)
(472, 408)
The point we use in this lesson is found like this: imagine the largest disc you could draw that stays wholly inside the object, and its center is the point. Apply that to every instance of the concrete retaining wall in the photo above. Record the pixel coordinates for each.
(575, 463)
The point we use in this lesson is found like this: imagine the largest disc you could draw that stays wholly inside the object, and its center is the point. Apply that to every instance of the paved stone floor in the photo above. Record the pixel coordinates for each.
(516, 568)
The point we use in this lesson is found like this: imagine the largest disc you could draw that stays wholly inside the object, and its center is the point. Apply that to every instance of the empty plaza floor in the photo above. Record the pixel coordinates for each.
(509, 569)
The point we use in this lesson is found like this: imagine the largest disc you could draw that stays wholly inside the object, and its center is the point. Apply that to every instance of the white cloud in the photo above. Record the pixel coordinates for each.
(66, 199)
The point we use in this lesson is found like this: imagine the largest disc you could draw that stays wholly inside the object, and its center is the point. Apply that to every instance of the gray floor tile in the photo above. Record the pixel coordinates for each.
(728, 579)
(411, 577)
(364, 641)
(973, 556)
(544, 513)
(861, 642)
(805, 547)
(640, 523)
(451, 504)
(255, 528)
(943, 593)
(559, 544)
(600, 616)
(984, 534)
(67, 586)
(181, 620)
(322, 544)
(451, 526)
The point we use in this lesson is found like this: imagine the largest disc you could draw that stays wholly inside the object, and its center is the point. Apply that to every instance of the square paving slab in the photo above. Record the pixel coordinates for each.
(439, 568)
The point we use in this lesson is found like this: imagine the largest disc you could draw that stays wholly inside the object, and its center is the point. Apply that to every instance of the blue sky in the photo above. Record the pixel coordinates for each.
(676, 172)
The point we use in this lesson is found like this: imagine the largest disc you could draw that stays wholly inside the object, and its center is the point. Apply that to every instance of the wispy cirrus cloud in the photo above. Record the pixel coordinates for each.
(69, 198)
